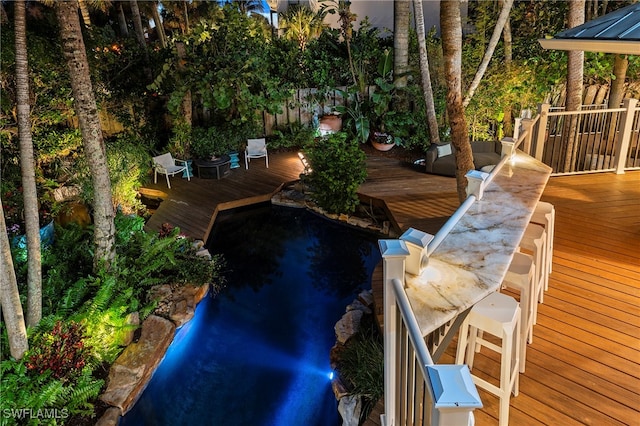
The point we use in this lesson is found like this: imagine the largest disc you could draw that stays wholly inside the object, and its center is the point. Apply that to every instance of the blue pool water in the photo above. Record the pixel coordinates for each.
(258, 353)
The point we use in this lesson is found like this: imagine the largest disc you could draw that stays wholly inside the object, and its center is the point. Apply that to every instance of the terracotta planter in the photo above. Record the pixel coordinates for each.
(330, 123)
(381, 141)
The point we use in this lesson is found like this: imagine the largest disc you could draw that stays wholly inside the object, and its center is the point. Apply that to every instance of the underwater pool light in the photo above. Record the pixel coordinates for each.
(330, 375)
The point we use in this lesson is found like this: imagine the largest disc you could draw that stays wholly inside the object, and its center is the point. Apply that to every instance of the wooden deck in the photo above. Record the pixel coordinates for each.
(583, 366)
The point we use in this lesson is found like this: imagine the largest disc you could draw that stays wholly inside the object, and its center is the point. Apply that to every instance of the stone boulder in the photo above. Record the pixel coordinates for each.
(178, 303)
(348, 325)
(131, 372)
(349, 408)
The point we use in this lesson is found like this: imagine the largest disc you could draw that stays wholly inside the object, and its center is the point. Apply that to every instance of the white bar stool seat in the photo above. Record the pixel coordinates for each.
(545, 215)
(534, 242)
(498, 315)
(521, 277)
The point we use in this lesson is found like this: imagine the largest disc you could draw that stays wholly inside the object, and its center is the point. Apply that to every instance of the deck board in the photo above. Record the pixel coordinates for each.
(583, 366)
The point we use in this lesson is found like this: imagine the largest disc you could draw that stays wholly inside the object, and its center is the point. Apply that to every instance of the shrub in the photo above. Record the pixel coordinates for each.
(338, 168)
(61, 351)
(292, 135)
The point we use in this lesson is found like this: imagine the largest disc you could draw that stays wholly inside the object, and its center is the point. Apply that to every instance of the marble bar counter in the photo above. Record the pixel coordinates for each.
(472, 260)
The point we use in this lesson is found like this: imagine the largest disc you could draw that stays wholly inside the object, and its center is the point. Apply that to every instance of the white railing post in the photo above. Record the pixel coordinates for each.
(624, 134)
(455, 395)
(476, 183)
(543, 111)
(526, 126)
(394, 253)
(417, 242)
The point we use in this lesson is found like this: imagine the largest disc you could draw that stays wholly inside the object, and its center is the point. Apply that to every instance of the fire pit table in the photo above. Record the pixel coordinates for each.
(221, 164)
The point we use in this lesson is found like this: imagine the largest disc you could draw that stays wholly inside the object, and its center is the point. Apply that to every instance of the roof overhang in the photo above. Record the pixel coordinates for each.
(624, 47)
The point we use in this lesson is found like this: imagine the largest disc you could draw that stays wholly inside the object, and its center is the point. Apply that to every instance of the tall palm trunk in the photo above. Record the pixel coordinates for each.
(85, 105)
(137, 25)
(401, 13)
(508, 59)
(84, 11)
(488, 54)
(427, 90)
(9, 296)
(616, 93)
(158, 23)
(451, 29)
(122, 21)
(575, 77)
(27, 165)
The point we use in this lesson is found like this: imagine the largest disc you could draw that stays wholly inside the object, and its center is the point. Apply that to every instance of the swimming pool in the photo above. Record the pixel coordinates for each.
(258, 353)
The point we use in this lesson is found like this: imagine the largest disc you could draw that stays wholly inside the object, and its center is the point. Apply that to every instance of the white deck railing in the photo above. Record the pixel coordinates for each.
(590, 140)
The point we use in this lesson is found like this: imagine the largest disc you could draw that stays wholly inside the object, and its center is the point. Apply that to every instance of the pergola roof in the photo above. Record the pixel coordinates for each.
(615, 32)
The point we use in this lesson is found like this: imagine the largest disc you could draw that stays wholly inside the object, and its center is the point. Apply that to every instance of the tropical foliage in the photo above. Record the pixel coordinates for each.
(338, 168)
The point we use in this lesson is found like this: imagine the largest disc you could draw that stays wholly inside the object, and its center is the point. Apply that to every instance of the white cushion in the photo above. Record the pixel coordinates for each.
(444, 150)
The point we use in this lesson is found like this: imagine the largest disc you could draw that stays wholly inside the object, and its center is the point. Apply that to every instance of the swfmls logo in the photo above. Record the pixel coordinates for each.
(30, 413)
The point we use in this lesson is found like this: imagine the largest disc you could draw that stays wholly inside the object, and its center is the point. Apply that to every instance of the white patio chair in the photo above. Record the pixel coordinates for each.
(256, 148)
(167, 165)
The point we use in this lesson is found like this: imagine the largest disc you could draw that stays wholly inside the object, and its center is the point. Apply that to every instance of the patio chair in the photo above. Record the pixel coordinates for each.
(167, 165)
(256, 148)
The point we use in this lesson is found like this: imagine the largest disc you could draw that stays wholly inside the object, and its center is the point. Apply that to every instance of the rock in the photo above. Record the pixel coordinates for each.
(131, 372)
(133, 320)
(358, 305)
(111, 417)
(339, 390)
(204, 253)
(183, 302)
(65, 193)
(197, 244)
(349, 408)
(348, 325)
(366, 297)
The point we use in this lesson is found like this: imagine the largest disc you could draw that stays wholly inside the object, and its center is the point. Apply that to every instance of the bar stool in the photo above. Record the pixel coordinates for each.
(545, 215)
(498, 315)
(534, 242)
(521, 276)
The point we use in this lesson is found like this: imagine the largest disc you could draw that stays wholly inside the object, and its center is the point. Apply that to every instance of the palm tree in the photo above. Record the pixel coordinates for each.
(575, 77)
(401, 13)
(9, 296)
(301, 24)
(451, 30)
(27, 165)
(137, 25)
(74, 52)
(427, 90)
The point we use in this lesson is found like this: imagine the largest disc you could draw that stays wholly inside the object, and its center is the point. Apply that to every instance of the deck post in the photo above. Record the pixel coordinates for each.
(624, 134)
(455, 395)
(394, 253)
(526, 126)
(543, 111)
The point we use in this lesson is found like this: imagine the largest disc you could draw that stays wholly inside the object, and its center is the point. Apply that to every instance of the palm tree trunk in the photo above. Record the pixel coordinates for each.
(137, 24)
(84, 11)
(575, 77)
(401, 13)
(122, 21)
(616, 93)
(9, 296)
(159, 26)
(85, 105)
(508, 59)
(451, 30)
(27, 165)
(488, 54)
(425, 74)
